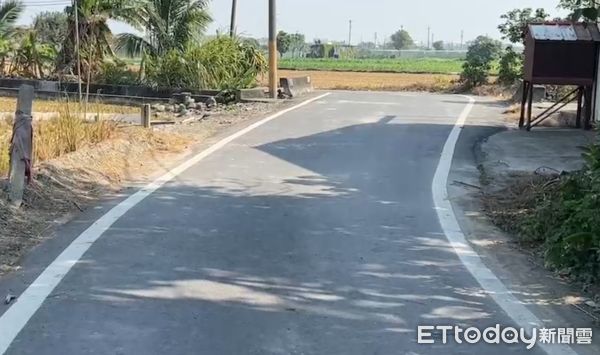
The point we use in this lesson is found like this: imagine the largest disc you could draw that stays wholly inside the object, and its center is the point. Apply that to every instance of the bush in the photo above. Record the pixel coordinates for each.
(511, 67)
(567, 221)
(478, 63)
(116, 72)
(221, 63)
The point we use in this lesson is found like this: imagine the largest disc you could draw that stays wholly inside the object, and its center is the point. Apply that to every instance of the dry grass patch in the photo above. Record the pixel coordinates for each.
(8, 104)
(57, 136)
(336, 80)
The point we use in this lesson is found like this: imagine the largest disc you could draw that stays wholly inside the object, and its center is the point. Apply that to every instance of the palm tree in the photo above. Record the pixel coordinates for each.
(10, 11)
(94, 33)
(169, 25)
(33, 57)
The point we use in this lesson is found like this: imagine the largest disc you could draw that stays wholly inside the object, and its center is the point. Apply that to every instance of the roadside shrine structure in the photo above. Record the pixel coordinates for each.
(564, 54)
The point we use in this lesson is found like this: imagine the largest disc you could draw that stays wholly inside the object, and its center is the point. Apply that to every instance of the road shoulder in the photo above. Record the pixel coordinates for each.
(552, 300)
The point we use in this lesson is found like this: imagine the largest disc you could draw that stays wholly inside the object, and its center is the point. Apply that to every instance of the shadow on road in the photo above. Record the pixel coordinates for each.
(342, 255)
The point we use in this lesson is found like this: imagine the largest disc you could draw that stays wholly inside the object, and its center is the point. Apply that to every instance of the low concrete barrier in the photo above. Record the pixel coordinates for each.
(292, 87)
(251, 94)
(539, 93)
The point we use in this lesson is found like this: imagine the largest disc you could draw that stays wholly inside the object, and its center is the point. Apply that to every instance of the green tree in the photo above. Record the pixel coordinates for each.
(402, 40)
(33, 58)
(481, 54)
(438, 45)
(95, 36)
(298, 43)
(9, 13)
(515, 22)
(581, 9)
(250, 41)
(169, 25)
(284, 41)
(51, 28)
(511, 66)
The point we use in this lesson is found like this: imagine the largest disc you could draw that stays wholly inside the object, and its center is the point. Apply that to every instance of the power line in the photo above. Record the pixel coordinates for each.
(46, 3)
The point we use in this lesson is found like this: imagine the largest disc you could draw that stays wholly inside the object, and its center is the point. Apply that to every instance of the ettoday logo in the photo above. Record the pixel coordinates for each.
(503, 335)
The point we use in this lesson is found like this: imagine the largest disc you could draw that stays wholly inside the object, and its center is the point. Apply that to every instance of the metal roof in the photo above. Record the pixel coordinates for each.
(561, 31)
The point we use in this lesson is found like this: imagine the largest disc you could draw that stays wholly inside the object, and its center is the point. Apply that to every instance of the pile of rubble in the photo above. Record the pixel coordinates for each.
(185, 104)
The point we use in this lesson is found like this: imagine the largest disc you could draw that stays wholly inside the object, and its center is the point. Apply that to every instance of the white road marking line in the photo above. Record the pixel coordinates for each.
(17, 316)
(379, 103)
(471, 260)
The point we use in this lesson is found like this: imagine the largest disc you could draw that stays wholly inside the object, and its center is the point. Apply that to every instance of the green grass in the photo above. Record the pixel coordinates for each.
(398, 65)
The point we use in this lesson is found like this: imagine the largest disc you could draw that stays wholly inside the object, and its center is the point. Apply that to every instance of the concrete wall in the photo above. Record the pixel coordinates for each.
(117, 94)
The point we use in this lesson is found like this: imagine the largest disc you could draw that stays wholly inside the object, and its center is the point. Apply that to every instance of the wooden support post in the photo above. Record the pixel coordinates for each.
(529, 105)
(525, 89)
(580, 92)
(587, 116)
(146, 115)
(21, 145)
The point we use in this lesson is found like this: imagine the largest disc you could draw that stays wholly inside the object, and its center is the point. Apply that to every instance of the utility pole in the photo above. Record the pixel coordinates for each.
(233, 18)
(595, 89)
(462, 38)
(273, 49)
(76, 6)
(21, 147)
(375, 39)
(428, 37)
(350, 34)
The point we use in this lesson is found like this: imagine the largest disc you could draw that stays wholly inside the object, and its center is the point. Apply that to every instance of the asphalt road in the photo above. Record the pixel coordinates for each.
(315, 233)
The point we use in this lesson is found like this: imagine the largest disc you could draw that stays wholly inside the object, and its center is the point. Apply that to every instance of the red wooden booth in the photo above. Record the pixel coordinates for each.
(560, 53)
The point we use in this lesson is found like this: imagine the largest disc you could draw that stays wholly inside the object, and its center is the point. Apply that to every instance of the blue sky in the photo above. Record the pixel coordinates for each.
(328, 19)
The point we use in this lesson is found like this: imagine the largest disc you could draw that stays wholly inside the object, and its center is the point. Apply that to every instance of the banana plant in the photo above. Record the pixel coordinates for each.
(10, 11)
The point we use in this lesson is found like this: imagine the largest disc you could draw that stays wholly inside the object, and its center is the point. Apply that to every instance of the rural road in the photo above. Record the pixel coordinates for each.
(314, 233)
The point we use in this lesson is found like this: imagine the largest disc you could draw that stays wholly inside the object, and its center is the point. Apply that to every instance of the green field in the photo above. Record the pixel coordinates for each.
(398, 65)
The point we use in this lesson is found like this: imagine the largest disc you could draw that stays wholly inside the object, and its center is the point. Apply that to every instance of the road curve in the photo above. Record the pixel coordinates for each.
(315, 233)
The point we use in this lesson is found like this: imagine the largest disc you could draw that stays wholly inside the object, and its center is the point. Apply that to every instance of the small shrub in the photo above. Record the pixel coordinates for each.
(480, 57)
(221, 63)
(567, 222)
(511, 67)
(116, 72)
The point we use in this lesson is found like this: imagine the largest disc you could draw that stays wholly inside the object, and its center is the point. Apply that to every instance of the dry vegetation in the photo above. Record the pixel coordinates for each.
(76, 180)
(336, 80)
(8, 104)
(57, 136)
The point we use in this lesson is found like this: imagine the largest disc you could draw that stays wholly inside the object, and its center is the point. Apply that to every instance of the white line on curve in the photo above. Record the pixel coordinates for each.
(17, 316)
(468, 256)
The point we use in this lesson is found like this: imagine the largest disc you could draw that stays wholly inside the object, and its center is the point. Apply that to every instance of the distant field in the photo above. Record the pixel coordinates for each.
(398, 65)
(338, 80)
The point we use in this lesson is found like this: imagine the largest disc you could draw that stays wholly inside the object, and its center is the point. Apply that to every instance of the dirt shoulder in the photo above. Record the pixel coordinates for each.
(496, 161)
(67, 186)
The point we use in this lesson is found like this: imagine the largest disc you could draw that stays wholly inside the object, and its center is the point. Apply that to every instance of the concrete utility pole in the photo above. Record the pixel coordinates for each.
(21, 146)
(233, 18)
(596, 97)
(76, 7)
(428, 37)
(350, 34)
(273, 49)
